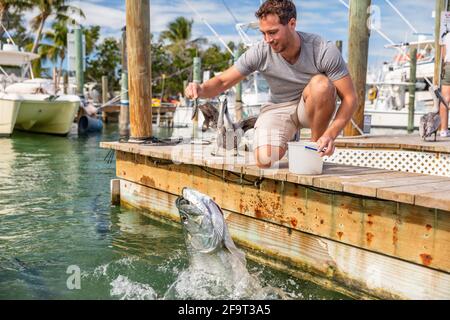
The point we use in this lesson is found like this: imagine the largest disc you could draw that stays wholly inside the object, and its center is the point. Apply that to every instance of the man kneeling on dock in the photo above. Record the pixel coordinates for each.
(304, 73)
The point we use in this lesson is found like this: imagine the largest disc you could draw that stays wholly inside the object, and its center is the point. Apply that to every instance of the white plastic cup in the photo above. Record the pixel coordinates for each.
(304, 158)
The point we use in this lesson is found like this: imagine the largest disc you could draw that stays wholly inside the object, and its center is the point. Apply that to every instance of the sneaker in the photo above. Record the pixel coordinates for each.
(445, 133)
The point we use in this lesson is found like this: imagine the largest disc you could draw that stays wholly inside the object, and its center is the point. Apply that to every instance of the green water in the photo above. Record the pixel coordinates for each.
(55, 213)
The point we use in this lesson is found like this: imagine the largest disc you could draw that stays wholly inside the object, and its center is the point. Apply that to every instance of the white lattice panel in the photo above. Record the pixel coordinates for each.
(397, 160)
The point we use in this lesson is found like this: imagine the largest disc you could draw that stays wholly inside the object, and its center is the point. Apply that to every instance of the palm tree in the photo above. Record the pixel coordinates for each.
(58, 8)
(6, 5)
(56, 45)
(178, 30)
(179, 35)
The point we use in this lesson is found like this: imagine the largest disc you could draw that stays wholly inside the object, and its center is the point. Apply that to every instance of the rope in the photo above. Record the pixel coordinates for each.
(255, 183)
(110, 102)
(361, 132)
(155, 141)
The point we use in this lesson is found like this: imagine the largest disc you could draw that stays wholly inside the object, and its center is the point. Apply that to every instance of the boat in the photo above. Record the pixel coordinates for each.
(389, 105)
(33, 105)
(9, 109)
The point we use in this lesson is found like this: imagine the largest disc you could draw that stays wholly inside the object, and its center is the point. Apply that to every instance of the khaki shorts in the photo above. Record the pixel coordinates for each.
(446, 75)
(278, 123)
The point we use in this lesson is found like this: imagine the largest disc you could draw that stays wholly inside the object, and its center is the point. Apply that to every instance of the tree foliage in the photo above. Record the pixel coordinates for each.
(172, 53)
(105, 62)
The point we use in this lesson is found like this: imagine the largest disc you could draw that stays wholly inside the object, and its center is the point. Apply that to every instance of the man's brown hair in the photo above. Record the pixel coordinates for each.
(284, 9)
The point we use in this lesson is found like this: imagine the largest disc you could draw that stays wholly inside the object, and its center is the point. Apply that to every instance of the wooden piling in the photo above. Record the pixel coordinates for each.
(412, 89)
(339, 45)
(139, 68)
(79, 60)
(55, 80)
(358, 52)
(238, 107)
(104, 96)
(440, 5)
(196, 79)
(66, 82)
(124, 117)
(115, 192)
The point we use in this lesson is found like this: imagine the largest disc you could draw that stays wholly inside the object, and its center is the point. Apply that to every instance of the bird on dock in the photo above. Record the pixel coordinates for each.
(211, 115)
(429, 125)
(228, 137)
(430, 122)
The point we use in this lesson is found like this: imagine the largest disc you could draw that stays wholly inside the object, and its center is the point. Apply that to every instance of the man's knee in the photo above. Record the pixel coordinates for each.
(267, 156)
(321, 86)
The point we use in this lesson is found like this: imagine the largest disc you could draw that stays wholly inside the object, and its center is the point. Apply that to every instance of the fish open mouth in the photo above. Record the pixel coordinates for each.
(180, 203)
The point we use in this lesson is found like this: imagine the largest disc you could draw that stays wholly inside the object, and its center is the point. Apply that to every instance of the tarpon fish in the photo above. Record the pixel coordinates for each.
(217, 267)
(204, 225)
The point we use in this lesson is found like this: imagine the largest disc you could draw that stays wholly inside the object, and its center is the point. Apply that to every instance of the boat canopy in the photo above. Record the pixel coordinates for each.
(410, 45)
(16, 58)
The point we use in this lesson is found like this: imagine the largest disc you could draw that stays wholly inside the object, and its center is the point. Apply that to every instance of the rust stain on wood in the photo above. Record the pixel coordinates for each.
(145, 180)
(426, 259)
(369, 238)
(294, 222)
(394, 235)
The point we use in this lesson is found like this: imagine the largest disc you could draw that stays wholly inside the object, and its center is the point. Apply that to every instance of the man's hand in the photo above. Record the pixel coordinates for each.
(325, 145)
(193, 90)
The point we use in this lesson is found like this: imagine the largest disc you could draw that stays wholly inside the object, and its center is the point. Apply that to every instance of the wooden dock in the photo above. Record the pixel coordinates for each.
(362, 231)
(162, 115)
(410, 142)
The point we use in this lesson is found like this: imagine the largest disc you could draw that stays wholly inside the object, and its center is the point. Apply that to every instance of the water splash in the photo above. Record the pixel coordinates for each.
(129, 290)
(220, 276)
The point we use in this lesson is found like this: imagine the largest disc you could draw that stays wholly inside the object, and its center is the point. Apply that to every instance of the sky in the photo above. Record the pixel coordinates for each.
(328, 18)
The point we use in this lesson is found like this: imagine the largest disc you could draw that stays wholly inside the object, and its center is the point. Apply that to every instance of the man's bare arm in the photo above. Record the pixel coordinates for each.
(214, 86)
(347, 93)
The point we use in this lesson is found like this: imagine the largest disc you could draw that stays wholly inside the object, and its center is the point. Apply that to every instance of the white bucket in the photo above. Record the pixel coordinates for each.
(304, 159)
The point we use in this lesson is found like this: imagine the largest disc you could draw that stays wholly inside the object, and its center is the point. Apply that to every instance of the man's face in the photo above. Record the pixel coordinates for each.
(276, 34)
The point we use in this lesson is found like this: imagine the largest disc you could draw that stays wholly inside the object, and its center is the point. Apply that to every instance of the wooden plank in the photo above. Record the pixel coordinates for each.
(439, 200)
(330, 170)
(170, 177)
(407, 194)
(328, 263)
(425, 233)
(336, 182)
(369, 188)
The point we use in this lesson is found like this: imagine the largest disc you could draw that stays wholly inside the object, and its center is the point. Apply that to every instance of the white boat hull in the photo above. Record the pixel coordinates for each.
(9, 109)
(43, 116)
(392, 118)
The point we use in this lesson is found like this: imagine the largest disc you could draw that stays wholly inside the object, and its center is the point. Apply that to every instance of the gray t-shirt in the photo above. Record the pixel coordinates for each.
(287, 81)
